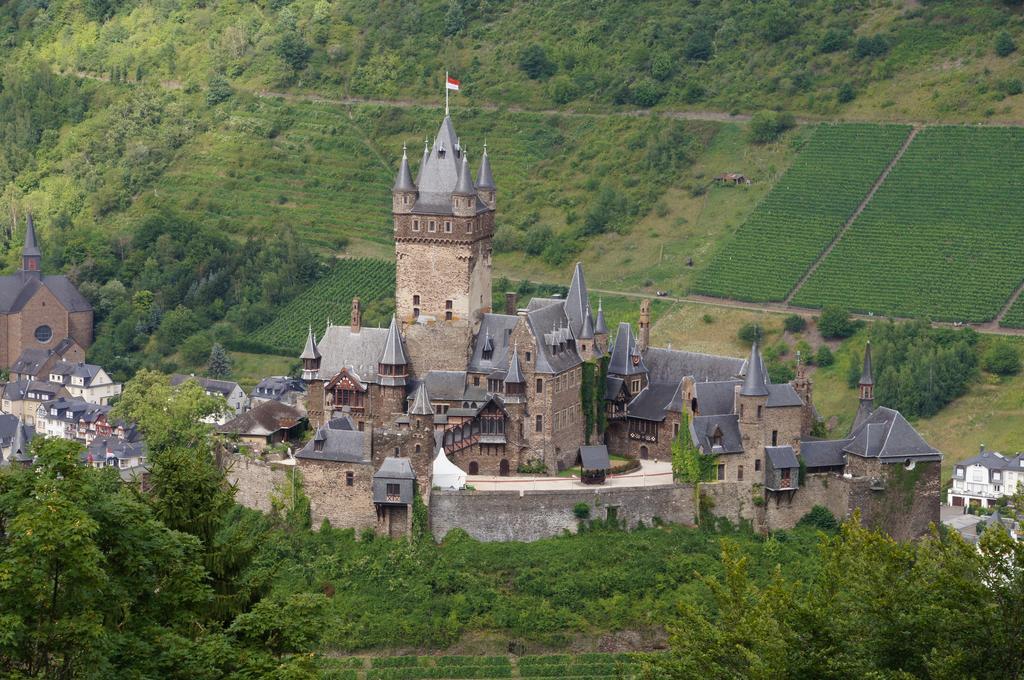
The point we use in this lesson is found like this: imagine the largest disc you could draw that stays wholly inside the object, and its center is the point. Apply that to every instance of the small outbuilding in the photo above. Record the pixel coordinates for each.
(394, 486)
(782, 471)
(594, 464)
(269, 423)
(733, 178)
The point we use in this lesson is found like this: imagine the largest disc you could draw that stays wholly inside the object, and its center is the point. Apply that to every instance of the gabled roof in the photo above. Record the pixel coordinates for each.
(782, 395)
(653, 402)
(595, 457)
(341, 348)
(446, 385)
(340, 446)
(626, 358)
(18, 390)
(87, 372)
(16, 290)
(824, 453)
(755, 382)
(673, 364)
(715, 398)
(277, 386)
(780, 457)
(888, 436)
(224, 387)
(23, 435)
(497, 327)
(703, 429)
(548, 325)
(266, 419)
(995, 461)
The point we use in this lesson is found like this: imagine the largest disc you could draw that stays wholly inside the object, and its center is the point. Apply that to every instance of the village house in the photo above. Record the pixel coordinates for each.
(22, 398)
(234, 395)
(265, 425)
(984, 479)
(291, 391)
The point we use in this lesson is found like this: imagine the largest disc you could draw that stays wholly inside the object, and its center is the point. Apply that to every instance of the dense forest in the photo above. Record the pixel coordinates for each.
(101, 579)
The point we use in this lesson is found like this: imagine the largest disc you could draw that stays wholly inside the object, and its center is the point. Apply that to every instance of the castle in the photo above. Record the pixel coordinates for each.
(498, 390)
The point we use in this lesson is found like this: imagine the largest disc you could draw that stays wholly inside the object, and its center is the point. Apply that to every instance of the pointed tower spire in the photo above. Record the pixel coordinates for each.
(587, 332)
(31, 256)
(20, 443)
(754, 385)
(484, 178)
(600, 327)
(310, 351)
(394, 352)
(465, 184)
(421, 401)
(515, 369)
(867, 376)
(867, 390)
(404, 180)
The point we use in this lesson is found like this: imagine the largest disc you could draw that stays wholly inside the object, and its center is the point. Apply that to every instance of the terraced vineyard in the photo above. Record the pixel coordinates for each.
(597, 666)
(796, 222)
(329, 298)
(941, 238)
(1015, 315)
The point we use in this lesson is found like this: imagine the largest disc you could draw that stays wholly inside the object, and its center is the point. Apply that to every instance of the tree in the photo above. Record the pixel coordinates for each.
(833, 41)
(1005, 46)
(823, 357)
(196, 349)
(794, 323)
(218, 90)
(846, 93)
(1001, 358)
(534, 62)
(699, 46)
(768, 126)
(647, 92)
(834, 322)
(454, 18)
(293, 49)
(749, 332)
(219, 365)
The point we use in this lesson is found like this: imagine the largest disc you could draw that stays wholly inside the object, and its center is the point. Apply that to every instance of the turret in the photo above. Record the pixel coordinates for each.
(464, 194)
(310, 357)
(752, 395)
(485, 181)
(403, 193)
(421, 413)
(515, 381)
(867, 389)
(393, 366)
(600, 327)
(31, 256)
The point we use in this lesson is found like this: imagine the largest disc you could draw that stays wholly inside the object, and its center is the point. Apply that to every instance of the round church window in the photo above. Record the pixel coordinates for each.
(44, 333)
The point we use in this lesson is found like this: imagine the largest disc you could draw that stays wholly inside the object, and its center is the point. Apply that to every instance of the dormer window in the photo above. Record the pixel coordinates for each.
(716, 437)
(488, 354)
(441, 151)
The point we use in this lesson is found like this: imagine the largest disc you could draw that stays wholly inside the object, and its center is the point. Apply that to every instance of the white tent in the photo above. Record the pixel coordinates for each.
(447, 475)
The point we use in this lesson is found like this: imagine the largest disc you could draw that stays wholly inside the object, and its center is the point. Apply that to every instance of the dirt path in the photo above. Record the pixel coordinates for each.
(1006, 308)
(856, 213)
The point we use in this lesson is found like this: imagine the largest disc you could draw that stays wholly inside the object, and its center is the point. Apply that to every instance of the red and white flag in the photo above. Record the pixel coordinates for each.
(452, 84)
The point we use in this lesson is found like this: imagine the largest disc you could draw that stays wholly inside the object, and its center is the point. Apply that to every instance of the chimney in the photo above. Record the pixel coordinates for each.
(511, 302)
(357, 313)
(645, 325)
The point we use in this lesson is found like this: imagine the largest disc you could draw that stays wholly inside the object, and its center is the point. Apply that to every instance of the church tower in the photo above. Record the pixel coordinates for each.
(31, 256)
(867, 390)
(443, 227)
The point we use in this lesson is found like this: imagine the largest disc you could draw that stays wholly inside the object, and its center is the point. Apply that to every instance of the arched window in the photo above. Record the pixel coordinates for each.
(474, 468)
(644, 453)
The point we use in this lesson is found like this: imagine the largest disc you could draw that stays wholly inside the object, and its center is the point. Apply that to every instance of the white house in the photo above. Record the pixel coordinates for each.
(983, 479)
(85, 381)
(238, 401)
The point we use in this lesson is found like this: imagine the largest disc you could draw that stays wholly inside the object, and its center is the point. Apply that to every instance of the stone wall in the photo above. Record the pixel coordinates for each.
(331, 498)
(254, 481)
(907, 505)
(533, 515)
(826, 489)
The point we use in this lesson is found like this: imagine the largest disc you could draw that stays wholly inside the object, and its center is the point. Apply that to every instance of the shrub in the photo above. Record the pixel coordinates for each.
(219, 90)
(873, 46)
(1005, 46)
(1010, 86)
(833, 41)
(707, 318)
(749, 332)
(698, 46)
(834, 322)
(563, 90)
(581, 510)
(196, 349)
(294, 50)
(846, 93)
(819, 517)
(537, 238)
(1001, 358)
(768, 126)
(824, 356)
(794, 323)
(535, 63)
(780, 372)
(647, 92)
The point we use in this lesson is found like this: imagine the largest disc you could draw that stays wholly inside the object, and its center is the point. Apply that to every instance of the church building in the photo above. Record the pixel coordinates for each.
(40, 312)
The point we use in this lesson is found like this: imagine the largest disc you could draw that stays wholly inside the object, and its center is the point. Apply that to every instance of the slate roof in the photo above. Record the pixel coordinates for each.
(715, 398)
(595, 457)
(484, 178)
(674, 365)
(339, 446)
(465, 184)
(30, 247)
(421, 402)
(87, 372)
(439, 175)
(403, 182)
(266, 419)
(703, 429)
(102, 448)
(600, 327)
(30, 361)
(514, 375)
(995, 461)
(782, 395)
(23, 435)
(497, 327)
(310, 351)
(72, 410)
(623, 353)
(395, 468)
(577, 301)
(278, 386)
(888, 436)
(16, 290)
(550, 328)
(223, 387)
(781, 457)
(755, 381)
(867, 375)
(446, 385)
(341, 348)
(18, 390)
(612, 387)
(653, 401)
(824, 453)
(8, 425)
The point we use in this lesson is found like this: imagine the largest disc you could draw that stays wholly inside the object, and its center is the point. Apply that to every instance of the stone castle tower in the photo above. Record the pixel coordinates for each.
(443, 227)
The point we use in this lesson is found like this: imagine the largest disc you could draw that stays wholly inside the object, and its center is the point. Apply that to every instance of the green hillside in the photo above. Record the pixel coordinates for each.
(936, 59)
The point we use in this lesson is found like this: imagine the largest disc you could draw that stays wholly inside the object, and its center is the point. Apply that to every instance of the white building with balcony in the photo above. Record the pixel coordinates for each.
(983, 479)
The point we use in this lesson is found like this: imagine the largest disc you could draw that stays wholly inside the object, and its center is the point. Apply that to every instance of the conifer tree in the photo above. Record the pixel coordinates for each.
(219, 364)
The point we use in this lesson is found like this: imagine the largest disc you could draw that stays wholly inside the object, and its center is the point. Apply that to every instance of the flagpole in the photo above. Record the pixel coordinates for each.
(446, 93)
